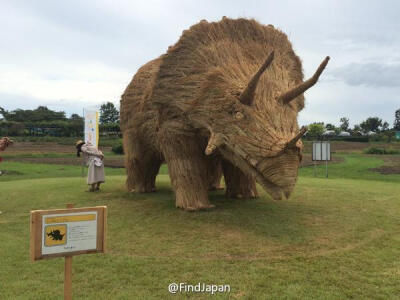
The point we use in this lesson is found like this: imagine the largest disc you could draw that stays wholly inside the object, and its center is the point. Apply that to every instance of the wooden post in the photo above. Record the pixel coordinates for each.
(68, 272)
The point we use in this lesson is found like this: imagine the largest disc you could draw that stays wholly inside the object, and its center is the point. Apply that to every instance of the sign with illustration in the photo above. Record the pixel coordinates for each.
(92, 127)
(67, 231)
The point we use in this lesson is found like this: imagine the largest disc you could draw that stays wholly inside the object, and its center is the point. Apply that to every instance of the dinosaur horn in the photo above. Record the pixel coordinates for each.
(293, 141)
(247, 95)
(214, 142)
(296, 91)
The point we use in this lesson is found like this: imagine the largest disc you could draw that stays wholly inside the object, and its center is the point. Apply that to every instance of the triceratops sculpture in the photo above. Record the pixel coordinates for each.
(227, 94)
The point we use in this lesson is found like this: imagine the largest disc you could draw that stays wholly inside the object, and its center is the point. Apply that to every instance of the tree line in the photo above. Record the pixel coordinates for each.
(43, 121)
(370, 126)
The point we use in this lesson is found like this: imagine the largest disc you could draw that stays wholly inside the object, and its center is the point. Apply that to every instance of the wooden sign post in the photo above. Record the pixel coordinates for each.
(68, 232)
(68, 272)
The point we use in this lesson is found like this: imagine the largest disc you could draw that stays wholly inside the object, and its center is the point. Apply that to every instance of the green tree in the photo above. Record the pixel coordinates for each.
(371, 124)
(385, 126)
(42, 113)
(330, 126)
(315, 129)
(397, 120)
(344, 124)
(108, 113)
(76, 117)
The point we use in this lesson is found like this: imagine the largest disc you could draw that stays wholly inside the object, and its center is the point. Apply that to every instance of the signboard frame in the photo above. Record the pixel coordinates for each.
(37, 233)
(321, 151)
(318, 153)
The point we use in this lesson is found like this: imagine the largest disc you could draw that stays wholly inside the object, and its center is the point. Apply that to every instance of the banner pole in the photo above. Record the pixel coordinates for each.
(83, 160)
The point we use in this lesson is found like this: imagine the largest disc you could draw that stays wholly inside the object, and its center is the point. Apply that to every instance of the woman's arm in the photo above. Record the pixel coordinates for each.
(85, 149)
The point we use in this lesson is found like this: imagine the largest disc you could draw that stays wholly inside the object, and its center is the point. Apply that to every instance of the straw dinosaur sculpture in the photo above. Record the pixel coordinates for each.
(4, 143)
(223, 100)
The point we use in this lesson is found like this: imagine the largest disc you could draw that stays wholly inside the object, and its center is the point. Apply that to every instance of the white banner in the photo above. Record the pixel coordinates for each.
(92, 127)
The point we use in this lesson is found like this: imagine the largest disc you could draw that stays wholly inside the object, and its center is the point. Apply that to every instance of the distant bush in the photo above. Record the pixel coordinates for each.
(118, 149)
(375, 150)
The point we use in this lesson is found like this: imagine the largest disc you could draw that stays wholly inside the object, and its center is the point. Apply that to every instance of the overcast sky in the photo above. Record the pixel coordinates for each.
(70, 55)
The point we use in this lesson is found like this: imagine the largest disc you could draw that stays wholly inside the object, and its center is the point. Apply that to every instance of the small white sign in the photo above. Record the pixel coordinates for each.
(321, 151)
(70, 232)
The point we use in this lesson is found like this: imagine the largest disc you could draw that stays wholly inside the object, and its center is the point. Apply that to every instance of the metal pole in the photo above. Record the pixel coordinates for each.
(326, 162)
(315, 168)
(313, 157)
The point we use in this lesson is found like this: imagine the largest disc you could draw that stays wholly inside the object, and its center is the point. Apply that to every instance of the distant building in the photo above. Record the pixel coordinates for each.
(329, 132)
(344, 133)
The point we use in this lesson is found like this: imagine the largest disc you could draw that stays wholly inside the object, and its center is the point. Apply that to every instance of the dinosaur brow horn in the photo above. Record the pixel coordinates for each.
(214, 142)
(247, 95)
(296, 91)
(294, 140)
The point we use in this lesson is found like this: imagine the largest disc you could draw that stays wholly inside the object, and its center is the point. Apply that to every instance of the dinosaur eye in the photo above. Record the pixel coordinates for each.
(238, 115)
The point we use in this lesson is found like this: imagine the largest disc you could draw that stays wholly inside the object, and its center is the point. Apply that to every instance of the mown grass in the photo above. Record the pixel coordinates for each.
(355, 166)
(336, 238)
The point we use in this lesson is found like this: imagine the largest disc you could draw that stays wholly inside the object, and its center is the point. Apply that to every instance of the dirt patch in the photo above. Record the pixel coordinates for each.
(117, 162)
(391, 166)
(387, 170)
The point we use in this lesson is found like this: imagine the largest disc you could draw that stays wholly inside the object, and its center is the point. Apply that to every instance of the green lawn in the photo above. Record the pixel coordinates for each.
(355, 166)
(336, 238)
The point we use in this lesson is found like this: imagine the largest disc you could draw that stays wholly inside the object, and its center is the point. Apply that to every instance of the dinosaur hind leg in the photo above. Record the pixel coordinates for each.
(142, 165)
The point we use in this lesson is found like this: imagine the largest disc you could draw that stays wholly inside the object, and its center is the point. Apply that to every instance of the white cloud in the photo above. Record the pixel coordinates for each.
(91, 83)
(70, 54)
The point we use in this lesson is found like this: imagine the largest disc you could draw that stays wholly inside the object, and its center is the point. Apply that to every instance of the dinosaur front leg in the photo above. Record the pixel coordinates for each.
(214, 172)
(238, 185)
(188, 172)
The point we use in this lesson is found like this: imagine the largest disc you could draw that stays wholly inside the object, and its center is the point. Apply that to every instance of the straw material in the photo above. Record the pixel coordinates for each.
(185, 108)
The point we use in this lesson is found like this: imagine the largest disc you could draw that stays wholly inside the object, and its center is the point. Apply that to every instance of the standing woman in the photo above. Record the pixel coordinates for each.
(4, 143)
(94, 161)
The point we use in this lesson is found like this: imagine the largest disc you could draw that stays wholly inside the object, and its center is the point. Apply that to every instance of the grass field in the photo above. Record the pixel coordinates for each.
(336, 238)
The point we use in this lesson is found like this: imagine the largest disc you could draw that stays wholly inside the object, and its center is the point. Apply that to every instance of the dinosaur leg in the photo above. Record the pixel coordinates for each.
(142, 165)
(238, 185)
(128, 142)
(187, 170)
(214, 172)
